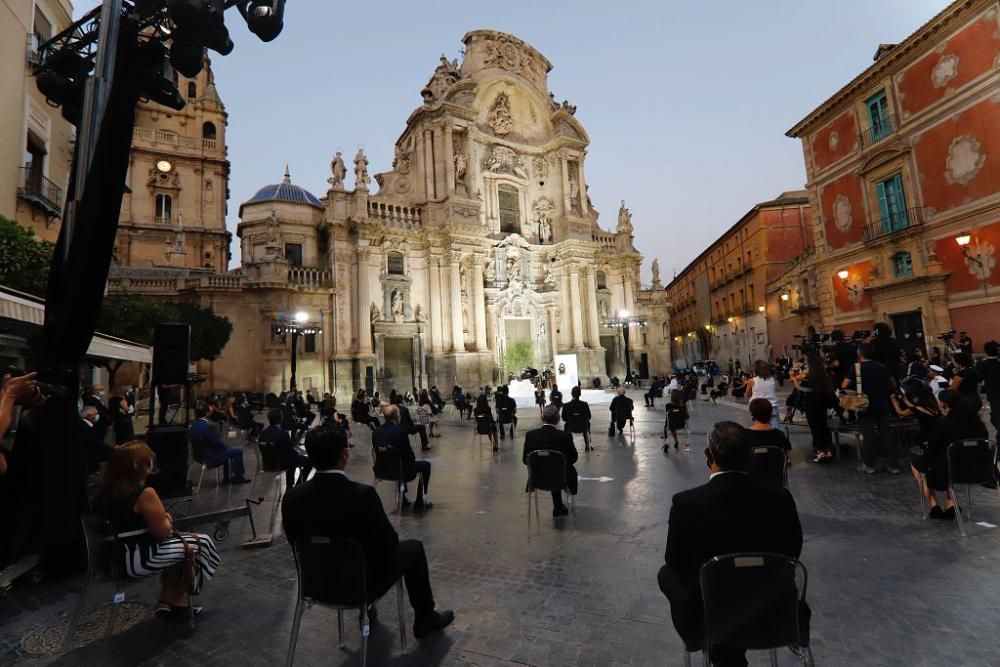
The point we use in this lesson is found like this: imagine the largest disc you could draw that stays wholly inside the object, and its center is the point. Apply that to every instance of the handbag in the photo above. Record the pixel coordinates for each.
(854, 401)
(189, 566)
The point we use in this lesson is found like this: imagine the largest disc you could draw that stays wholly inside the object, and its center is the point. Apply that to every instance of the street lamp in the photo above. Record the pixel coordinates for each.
(842, 274)
(624, 322)
(297, 326)
(963, 240)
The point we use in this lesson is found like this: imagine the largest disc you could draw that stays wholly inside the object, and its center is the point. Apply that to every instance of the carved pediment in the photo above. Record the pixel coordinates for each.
(888, 154)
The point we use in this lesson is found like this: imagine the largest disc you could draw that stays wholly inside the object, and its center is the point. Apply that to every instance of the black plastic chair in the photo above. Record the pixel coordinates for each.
(769, 466)
(199, 451)
(387, 466)
(752, 601)
(332, 572)
(546, 472)
(970, 461)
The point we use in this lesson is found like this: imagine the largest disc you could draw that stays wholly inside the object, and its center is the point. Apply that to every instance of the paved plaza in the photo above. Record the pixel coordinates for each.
(886, 587)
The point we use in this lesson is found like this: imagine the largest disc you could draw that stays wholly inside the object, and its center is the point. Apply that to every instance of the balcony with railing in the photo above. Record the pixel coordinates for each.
(173, 139)
(605, 239)
(162, 220)
(40, 192)
(394, 215)
(896, 222)
(312, 278)
(883, 129)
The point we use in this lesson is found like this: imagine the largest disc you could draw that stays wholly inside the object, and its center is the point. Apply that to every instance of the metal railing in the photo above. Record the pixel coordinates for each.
(896, 222)
(40, 192)
(162, 220)
(886, 127)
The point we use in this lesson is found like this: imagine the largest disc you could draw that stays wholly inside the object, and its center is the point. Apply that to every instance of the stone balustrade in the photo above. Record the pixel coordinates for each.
(394, 215)
(173, 139)
(315, 278)
(605, 240)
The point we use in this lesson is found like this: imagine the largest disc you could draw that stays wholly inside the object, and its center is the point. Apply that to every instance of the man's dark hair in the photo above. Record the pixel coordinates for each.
(324, 445)
(575, 393)
(866, 350)
(274, 417)
(760, 410)
(991, 348)
(200, 412)
(550, 415)
(837, 335)
(728, 445)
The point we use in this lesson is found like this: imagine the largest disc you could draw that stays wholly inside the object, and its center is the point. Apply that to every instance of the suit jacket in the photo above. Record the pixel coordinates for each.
(331, 505)
(576, 414)
(104, 423)
(506, 409)
(621, 408)
(405, 419)
(215, 451)
(549, 437)
(729, 514)
(396, 436)
(278, 438)
(95, 450)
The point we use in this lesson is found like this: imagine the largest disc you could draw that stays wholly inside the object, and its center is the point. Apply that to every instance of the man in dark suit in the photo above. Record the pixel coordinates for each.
(576, 415)
(406, 422)
(331, 505)
(96, 451)
(506, 411)
(216, 452)
(392, 434)
(93, 396)
(549, 437)
(288, 456)
(729, 514)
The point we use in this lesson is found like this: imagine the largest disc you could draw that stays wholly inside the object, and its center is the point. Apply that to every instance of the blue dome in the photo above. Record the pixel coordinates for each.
(284, 192)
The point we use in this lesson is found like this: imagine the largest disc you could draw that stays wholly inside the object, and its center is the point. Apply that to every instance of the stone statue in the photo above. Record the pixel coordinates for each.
(401, 160)
(398, 308)
(604, 309)
(547, 272)
(490, 273)
(418, 314)
(545, 230)
(543, 209)
(361, 170)
(513, 267)
(656, 270)
(574, 192)
(465, 312)
(460, 168)
(500, 118)
(624, 218)
(273, 248)
(338, 170)
(374, 313)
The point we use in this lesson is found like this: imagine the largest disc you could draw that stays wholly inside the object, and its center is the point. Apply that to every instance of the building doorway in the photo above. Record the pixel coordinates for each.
(518, 346)
(909, 330)
(398, 373)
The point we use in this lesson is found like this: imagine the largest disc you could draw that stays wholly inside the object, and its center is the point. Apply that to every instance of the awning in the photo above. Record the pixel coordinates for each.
(29, 312)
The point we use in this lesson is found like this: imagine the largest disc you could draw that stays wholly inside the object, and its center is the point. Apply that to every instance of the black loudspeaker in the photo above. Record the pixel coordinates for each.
(370, 379)
(170, 444)
(171, 349)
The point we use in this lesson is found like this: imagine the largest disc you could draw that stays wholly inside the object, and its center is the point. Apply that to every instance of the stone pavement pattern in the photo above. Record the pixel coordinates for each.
(886, 588)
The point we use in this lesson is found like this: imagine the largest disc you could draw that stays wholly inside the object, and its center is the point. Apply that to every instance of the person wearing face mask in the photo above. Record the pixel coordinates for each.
(93, 396)
(729, 514)
(96, 451)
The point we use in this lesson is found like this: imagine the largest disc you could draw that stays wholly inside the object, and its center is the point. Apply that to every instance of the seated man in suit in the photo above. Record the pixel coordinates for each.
(332, 505)
(406, 421)
(549, 437)
(506, 411)
(289, 457)
(621, 411)
(216, 452)
(96, 451)
(576, 415)
(729, 514)
(393, 435)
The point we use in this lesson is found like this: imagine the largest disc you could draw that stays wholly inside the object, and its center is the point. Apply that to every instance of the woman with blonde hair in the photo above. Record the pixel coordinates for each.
(146, 530)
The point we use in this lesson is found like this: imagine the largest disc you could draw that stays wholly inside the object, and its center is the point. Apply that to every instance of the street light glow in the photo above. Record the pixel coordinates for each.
(963, 239)
(623, 313)
(301, 316)
(842, 274)
(761, 308)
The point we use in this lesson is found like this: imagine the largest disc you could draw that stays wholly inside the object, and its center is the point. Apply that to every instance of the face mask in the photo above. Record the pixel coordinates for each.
(97, 418)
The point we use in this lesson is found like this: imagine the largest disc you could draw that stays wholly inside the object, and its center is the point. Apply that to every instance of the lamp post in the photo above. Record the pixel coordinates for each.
(763, 313)
(624, 322)
(963, 241)
(297, 325)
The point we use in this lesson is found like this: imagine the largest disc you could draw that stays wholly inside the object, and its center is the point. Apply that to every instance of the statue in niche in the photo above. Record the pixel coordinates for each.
(338, 171)
(461, 167)
(574, 192)
(398, 307)
(465, 312)
(513, 267)
(500, 118)
(543, 209)
(374, 313)
(490, 272)
(544, 230)
(604, 309)
(360, 169)
(463, 275)
(624, 218)
(547, 272)
(656, 270)
(418, 314)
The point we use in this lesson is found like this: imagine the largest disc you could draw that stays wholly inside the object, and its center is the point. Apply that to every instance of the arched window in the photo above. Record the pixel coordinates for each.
(902, 264)
(602, 280)
(163, 208)
(395, 264)
(508, 203)
(192, 90)
(208, 131)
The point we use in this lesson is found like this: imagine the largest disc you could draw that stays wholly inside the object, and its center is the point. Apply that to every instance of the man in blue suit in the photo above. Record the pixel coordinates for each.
(393, 435)
(215, 451)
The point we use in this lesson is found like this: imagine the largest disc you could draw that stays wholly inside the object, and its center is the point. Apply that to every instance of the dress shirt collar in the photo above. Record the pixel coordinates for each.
(722, 472)
(331, 471)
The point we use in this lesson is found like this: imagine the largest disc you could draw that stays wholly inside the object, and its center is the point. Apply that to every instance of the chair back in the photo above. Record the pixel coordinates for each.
(484, 425)
(387, 463)
(970, 461)
(331, 571)
(751, 600)
(199, 449)
(769, 466)
(270, 459)
(546, 470)
(99, 536)
(504, 413)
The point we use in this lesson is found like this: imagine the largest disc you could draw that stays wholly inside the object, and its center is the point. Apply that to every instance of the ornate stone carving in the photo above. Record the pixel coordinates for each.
(418, 313)
(401, 160)
(465, 312)
(569, 108)
(508, 55)
(361, 170)
(542, 209)
(490, 272)
(842, 217)
(504, 159)
(965, 159)
(540, 165)
(945, 70)
(500, 118)
(337, 171)
(624, 218)
(445, 74)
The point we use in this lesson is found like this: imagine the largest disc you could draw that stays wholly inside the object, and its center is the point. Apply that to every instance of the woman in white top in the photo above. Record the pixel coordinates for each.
(762, 385)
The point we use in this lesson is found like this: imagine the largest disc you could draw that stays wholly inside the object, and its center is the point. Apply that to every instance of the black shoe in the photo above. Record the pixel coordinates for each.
(422, 505)
(949, 514)
(560, 511)
(239, 480)
(406, 502)
(666, 449)
(432, 622)
(936, 513)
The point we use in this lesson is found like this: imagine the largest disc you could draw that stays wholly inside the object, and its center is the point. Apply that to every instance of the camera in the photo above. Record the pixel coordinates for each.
(861, 334)
(947, 336)
(44, 388)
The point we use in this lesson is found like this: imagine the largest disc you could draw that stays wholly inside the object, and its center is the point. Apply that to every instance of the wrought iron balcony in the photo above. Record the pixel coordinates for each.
(897, 222)
(40, 192)
(886, 127)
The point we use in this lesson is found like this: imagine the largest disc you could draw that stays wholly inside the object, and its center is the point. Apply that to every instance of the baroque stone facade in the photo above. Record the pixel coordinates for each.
(480, 237)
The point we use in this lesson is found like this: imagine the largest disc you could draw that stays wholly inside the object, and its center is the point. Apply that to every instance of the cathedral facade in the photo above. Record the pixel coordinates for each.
(479, 250)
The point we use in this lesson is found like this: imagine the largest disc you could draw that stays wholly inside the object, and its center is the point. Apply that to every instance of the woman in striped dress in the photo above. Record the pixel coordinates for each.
(146, 530)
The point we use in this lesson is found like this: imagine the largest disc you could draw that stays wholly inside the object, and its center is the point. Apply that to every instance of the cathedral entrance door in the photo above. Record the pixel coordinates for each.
(399, 374)
(519, 346)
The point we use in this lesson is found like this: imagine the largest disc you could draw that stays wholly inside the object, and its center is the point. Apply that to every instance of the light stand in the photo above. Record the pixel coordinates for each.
(296, 326)
(624, 321)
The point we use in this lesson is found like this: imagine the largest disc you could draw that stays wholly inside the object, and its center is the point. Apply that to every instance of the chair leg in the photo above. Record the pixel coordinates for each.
(364, 649)
(687, 658)
(201, 476)
(340, 628)
(774, 657)
(296, 621)
(958, 514)
(402, 615)
(538, 519)
(529, 513)
(923, 501)
(968, 496)
(81, 605)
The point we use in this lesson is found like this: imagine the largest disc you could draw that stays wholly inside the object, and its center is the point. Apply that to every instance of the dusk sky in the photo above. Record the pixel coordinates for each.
(686, 103)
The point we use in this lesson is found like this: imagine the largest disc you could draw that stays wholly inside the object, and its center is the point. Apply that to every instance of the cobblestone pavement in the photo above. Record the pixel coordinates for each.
(886, 588)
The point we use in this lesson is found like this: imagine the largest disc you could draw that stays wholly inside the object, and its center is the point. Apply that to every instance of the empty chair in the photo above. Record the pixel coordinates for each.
(546, 472)
(332, 572)
(387, 465)
(970, 462)
(769, 466)
(755, 601)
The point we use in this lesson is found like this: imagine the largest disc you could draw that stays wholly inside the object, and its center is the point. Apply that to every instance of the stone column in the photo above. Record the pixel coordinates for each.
(457, 335)
(567, 205)
(418, 148)
(577, 306)
(583, 188)
(553, 336)
(379, 361)
(449, 160)
(436, 314)
(491, 326)
(594, 328)
(364, 300)
(441, 159)
(479, 303)
(567, 322)
(429, 164)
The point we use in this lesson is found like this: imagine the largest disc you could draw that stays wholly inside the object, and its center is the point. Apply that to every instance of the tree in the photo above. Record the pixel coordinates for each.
(519, 355)
(24, 259)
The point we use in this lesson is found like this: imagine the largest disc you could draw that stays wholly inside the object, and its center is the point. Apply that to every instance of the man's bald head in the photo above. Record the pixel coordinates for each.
(391, 413)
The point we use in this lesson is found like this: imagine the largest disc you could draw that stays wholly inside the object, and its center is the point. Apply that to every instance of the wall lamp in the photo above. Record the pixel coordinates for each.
(963, 240)
(785, 296)
(842, 274)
